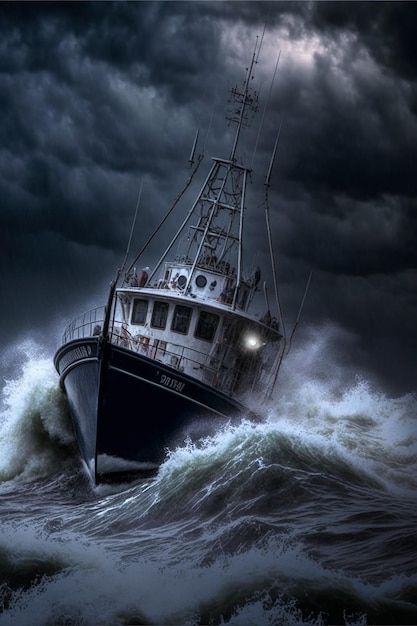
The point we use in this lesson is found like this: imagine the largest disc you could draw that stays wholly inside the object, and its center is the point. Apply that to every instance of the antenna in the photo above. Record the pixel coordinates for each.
(260, 45)
(268, 226)
(271, 252)
(268, 176)
(245, 101)
(191, 159)
(265, 108)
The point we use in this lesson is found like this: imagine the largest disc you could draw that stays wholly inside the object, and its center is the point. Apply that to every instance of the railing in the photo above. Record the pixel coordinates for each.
(193, 362)
(196, 363)
(208, 368)
(86, 325)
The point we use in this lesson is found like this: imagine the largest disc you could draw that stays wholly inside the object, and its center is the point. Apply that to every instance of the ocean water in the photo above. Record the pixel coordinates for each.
(307, 518)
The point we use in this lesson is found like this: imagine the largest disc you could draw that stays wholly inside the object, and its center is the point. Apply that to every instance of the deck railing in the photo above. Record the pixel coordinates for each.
(204, 367)
(86, 325)
(193, 362)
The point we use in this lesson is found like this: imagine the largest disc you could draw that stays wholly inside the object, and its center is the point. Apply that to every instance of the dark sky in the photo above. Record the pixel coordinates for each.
(97, 97)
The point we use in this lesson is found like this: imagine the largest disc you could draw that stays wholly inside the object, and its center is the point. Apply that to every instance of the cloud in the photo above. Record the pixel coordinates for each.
(97, 98)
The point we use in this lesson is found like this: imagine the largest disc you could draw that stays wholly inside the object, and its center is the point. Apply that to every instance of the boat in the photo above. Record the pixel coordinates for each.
(187, 346)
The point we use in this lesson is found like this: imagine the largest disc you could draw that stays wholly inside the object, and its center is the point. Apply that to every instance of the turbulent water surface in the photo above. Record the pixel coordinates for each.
(308, 518)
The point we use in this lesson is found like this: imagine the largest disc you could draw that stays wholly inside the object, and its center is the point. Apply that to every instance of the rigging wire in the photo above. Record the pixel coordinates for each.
(159, 226)
(208, 131)
(268, 226)
(133, 226)
(273, 265)
(299, 312)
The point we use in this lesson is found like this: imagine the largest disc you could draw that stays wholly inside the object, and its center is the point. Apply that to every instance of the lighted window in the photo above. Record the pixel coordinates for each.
(159, 315)
(207, 326)
(140, 310)
(181, 320)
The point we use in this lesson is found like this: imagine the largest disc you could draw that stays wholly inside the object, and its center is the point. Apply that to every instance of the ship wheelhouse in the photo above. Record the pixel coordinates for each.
(200, 336)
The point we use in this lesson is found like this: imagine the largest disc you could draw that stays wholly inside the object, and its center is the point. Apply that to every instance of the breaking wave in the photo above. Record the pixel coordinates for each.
(307, 518)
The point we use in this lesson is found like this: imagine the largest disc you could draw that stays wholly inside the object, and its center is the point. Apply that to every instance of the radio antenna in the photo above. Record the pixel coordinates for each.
(191, 159)
(265, 108)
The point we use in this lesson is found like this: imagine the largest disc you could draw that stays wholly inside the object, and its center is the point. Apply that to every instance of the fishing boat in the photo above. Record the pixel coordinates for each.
(181, 348)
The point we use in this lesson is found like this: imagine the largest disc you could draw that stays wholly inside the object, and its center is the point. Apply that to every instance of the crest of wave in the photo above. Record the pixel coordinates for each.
(319, 393)
(35, 431)
(324, 406)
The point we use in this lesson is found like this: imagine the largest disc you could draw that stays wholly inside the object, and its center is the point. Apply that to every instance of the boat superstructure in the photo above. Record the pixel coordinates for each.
(177, 350)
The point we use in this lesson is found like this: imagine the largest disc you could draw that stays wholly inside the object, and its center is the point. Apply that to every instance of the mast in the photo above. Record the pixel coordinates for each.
(210, 236)
(247, 102)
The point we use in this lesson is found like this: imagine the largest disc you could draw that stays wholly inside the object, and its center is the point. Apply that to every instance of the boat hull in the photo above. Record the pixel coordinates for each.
(128, 410)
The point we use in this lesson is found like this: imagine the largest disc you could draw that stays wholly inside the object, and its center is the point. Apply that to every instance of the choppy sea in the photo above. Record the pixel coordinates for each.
(307, 518)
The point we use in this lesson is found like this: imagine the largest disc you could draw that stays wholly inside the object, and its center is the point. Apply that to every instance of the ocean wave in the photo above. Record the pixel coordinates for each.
(306, 518)
(35, 429)
(68, 581)
(359, 434)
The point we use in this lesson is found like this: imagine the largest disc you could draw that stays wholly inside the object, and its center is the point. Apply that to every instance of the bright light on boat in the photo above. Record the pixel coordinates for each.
(253, 342)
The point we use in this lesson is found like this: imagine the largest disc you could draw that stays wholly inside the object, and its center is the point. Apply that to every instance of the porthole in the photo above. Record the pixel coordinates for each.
(201, 281)
(182, 281)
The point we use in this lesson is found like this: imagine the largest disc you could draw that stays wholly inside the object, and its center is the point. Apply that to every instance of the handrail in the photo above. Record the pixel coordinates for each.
(85, 325)
(196, 363)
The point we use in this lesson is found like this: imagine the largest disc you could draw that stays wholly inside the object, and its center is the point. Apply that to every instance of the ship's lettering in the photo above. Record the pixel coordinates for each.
(77, 354)
(171, 383)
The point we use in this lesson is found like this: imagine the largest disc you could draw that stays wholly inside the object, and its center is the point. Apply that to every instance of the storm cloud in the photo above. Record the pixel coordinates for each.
(98, 97)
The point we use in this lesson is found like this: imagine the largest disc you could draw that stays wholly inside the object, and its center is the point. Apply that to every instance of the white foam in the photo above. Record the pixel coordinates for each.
(34, 424)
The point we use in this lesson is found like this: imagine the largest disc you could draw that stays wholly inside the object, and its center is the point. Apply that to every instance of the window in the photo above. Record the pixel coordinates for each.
(182, 281)
(159, 315)
(140, 310)
(182, 317)
(207, 326)
(201, 281)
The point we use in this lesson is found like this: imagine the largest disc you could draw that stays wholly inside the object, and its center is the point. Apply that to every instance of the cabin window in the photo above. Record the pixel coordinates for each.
(206, 326)
(140, 310)
(181, 320)
(159, 315)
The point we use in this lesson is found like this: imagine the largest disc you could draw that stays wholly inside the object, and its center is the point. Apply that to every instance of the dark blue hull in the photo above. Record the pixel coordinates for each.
(127, 409)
